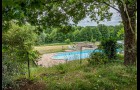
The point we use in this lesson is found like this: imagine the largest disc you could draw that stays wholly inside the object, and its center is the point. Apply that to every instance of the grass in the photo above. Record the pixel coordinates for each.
(97, 43)
(50, 49)
(76, 76)
(54, 44)
(55, 47)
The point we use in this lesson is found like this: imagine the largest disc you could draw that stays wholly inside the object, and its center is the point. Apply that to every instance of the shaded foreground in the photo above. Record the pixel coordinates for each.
(73, 76)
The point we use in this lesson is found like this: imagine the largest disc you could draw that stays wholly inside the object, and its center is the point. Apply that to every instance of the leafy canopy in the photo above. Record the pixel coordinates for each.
(55, 13)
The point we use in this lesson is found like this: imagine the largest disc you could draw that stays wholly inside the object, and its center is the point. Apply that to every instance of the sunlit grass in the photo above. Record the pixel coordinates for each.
(51, 49)
(54, 47)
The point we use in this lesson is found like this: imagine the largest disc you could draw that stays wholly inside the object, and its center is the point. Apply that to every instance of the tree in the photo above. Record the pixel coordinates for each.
(85, 34)
(76, 35)
(128, 14)
(41, 38)
(17, 45)
(104, 31)
(96, 33)
(57, 13)
(127, 9)
(120, 34)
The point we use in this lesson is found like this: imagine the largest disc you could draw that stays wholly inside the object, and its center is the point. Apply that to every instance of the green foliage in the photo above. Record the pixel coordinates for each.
(97, 58)
(16, 43)
(104, 31)
(19, 39)
(65, 29)
(120, 34)
(85, 33)
(93, 40)
(120, 57)
(41, 39)
(10, 69)
(109, 47)
(53, 16)
(67, 41)
(78, 34)
(48, 38)
(100, 77)
(96, 34)
(61, 68)
(120, 47)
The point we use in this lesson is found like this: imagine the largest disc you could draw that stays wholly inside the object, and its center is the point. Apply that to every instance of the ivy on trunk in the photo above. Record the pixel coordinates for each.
(130, 54)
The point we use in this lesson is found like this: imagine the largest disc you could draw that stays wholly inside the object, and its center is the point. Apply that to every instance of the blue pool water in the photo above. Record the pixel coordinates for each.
(75, 55)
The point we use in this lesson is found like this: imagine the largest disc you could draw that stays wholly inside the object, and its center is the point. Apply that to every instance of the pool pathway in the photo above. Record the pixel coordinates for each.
(47, 61)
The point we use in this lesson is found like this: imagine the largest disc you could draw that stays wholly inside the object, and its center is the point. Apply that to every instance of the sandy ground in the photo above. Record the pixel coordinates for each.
(47, 61)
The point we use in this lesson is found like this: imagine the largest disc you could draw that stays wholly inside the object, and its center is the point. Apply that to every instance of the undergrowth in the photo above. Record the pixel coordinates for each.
(76, 76)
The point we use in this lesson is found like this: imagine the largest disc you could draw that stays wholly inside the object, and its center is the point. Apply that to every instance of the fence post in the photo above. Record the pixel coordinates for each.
(28, 64)
(80, 54)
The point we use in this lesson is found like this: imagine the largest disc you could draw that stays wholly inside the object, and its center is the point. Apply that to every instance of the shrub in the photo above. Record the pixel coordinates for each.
(67, 41)
(119, 56)
(10, 69)
(17, 48)
(109, 47)
(93, 40)
(97, 58)
(61, 68)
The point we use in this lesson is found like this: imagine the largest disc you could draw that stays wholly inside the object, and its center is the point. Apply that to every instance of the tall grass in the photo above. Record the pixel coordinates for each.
(76, 76)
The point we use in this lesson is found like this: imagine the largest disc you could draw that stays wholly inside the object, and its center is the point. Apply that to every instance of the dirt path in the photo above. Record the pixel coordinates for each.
(47, 61)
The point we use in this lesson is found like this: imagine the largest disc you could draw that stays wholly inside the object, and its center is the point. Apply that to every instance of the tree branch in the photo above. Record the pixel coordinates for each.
(112, 7)
(129, 19)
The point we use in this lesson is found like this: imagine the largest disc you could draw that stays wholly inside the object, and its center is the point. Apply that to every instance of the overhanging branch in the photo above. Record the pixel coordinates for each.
(112, 7)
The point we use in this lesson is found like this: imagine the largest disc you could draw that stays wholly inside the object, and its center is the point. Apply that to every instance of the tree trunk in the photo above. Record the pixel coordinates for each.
(130, 53)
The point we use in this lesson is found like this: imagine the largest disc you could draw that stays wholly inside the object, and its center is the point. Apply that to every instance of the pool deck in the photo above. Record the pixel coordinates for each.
(47, 61)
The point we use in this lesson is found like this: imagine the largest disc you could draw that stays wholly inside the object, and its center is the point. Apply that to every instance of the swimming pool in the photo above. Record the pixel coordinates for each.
(75, 55)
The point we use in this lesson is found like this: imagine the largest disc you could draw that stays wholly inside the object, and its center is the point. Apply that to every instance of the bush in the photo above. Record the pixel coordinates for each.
(67, 41)
(109, 47)
(10, 69)
(119, 57)
(97, 58)
(17, 48)
(93, 40)
(61, 68)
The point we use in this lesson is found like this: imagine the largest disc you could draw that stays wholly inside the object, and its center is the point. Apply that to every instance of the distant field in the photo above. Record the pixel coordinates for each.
(54, 44)
(50, 49)
(55, 47)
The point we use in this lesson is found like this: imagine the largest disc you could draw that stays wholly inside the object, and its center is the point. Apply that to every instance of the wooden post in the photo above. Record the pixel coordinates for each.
(66, 61)
(80, 54)
(62, 48)
(28, 64)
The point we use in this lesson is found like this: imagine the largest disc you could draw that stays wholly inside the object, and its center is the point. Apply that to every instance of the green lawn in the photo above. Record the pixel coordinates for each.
(50, 49)
(55, 47)
(76, 76)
